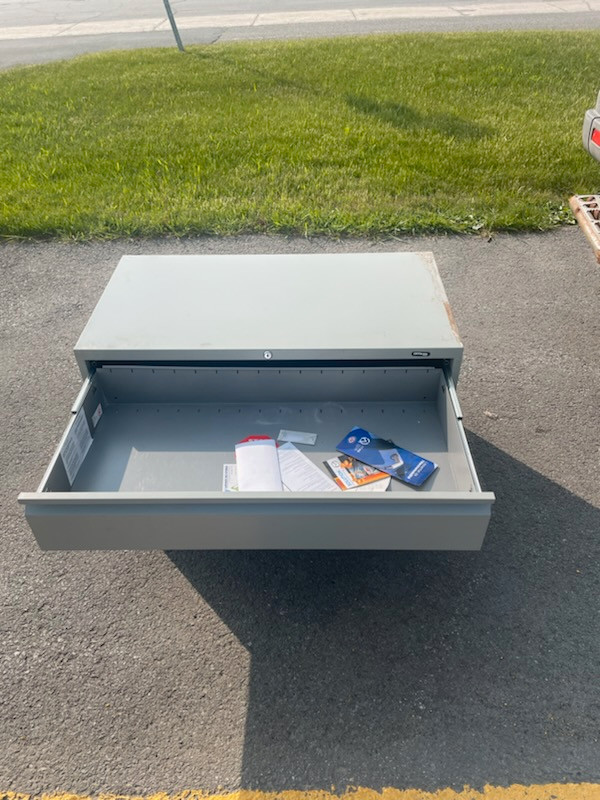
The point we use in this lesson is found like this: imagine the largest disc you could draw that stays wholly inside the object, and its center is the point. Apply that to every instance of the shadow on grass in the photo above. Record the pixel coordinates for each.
(422, 669)
(245, 67)
(398, 115)
(406, 118)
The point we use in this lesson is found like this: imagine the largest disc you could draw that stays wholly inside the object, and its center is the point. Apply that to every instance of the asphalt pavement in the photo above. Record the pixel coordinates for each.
(33, 32)
(136, 672)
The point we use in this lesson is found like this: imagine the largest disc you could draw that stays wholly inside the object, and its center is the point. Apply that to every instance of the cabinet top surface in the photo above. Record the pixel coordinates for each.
(356, 305)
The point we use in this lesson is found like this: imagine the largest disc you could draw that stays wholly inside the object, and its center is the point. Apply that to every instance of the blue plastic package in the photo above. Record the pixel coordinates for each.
(387, 457)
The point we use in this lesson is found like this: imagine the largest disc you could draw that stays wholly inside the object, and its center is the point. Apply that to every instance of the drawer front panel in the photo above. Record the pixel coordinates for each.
(434, 523)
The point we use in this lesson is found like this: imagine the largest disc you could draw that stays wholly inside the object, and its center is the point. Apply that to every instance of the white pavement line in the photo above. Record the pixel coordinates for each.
(495, 9)
(113, 26)
(144, 25)
(405, 12)
(220, 21)
(32, 31)
(294, 17)
(577, 6)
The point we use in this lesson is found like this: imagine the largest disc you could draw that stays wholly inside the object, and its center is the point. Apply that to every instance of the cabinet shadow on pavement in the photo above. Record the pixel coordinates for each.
(422, 669)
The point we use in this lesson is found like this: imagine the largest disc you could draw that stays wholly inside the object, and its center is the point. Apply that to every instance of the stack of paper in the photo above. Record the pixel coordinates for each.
(258, 465)
(261, 466)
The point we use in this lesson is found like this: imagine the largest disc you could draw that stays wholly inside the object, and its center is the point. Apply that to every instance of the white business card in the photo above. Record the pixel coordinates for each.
(297, 437)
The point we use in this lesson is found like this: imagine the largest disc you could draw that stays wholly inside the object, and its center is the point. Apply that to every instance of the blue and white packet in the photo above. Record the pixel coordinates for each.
(387, 457)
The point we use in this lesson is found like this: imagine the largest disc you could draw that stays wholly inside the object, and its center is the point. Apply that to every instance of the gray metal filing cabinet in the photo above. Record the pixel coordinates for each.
(186, 355)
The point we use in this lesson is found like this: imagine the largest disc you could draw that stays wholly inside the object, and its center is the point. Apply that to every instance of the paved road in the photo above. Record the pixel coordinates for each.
(36, 12)
(134, 672)
(31, 31)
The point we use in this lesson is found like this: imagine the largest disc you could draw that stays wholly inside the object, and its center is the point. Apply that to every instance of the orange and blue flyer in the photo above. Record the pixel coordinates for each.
(349, 473)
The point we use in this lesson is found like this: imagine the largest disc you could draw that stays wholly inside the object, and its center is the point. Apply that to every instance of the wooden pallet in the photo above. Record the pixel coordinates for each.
(586, 209)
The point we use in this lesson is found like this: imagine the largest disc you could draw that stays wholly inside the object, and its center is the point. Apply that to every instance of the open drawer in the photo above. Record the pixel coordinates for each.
(140, 464)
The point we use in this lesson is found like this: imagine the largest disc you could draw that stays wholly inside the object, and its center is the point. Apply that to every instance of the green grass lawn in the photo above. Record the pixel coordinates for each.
(366, 135)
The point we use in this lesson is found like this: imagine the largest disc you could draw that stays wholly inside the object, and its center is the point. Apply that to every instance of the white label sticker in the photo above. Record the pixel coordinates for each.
(96, 415)
(230, 481)
(299, 437)
(77, 443)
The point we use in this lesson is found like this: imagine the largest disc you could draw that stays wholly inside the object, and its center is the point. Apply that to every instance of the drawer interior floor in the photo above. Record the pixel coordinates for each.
(182, 447)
